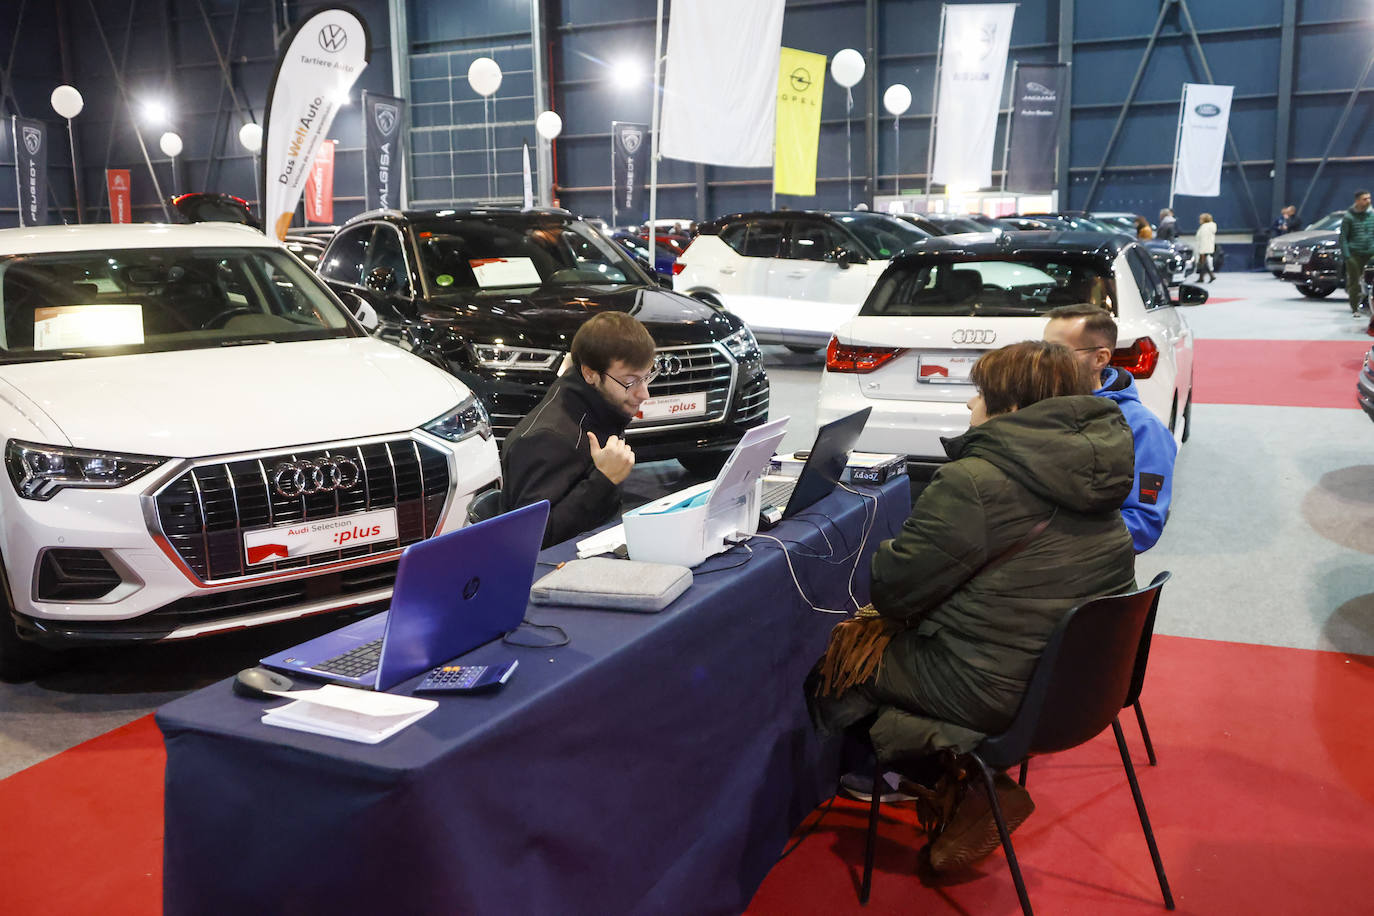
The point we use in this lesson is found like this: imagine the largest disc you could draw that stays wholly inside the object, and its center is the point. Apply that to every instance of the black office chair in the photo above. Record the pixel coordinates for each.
(1080, 685)
(484, 505)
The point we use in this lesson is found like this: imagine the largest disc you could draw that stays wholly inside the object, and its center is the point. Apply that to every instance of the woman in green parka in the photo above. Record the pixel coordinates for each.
(972, 586)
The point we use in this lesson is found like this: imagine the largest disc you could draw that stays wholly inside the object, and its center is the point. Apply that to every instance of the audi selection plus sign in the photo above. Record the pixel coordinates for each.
(495, 297)
(198, 437)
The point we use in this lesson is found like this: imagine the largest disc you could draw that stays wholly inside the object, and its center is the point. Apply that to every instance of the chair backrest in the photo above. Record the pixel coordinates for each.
(1142, 657)
(484, 505)
(1081, 680)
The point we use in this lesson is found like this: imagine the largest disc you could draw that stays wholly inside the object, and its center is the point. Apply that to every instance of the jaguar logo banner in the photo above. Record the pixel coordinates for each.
(1201, 139)
(1037, 112)
(321, 59)
(31, 170)
(121, 195)
(383, 127)
(973, 66)
(801, 83)
(629, 169)
(319, 187)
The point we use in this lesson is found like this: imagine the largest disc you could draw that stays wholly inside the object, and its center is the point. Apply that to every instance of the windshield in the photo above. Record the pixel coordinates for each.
(1329, 221)
(1031, 285)
(883, 236)
(465, 255)
(956, 224)
(143, 300)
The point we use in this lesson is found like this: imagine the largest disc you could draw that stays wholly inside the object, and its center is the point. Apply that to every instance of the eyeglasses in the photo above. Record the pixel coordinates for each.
(635, 379)
(1088, 349)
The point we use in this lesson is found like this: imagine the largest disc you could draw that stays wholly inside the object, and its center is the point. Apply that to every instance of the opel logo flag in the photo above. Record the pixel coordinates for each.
(801, 82)
(321, 59)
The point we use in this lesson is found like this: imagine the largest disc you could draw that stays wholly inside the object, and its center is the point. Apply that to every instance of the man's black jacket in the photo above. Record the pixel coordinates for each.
(548, 457)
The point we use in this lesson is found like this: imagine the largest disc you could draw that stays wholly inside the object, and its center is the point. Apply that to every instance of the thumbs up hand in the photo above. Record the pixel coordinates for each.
(614, 459)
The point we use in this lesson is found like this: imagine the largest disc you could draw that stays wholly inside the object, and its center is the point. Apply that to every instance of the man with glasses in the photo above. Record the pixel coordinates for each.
(1091, 333)
(570, 450)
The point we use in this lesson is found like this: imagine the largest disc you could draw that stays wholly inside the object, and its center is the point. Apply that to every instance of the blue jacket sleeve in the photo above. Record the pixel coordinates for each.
(1146, 509)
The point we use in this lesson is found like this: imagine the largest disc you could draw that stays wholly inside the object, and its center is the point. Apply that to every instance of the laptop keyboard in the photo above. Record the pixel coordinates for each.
(778, 493)
(355, 662)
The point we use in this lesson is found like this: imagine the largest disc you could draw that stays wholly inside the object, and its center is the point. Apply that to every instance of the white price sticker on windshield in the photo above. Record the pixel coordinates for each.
(505, 272)
(71, 327)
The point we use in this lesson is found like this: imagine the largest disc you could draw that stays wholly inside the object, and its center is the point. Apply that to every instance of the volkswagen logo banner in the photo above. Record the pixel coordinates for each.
(320, 60)
(383, 120)
(31, 166)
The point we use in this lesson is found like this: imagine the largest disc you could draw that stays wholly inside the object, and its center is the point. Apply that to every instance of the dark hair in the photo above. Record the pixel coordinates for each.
(612, 336)
(1359, 194)
(1100, 326)
(1023, 373)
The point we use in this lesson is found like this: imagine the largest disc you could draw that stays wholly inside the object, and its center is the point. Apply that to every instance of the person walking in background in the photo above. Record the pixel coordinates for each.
(1168, 226)
(1357, 247)
(1287, 221)
(1143, 230)
(1206, 247)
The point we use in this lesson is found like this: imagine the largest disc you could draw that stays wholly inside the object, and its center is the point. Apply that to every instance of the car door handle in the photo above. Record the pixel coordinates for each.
(728, 271)
(798, 274)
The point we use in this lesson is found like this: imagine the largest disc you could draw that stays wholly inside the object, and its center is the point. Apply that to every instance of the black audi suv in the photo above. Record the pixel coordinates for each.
(495, 296)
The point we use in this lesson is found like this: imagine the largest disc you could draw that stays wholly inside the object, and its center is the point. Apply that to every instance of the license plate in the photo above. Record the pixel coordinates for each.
(303, 539)
(673, 406)
(1292, 268)
(949, 369)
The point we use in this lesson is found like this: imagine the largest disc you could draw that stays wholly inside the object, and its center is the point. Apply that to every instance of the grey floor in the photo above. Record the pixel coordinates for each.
(1270, 538)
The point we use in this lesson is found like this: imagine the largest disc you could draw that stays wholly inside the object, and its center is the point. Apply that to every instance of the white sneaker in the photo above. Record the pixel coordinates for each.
(861, 787)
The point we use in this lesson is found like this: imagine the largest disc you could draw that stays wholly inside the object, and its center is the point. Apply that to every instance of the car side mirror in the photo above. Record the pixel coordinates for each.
(363, 311)
(1190, 294)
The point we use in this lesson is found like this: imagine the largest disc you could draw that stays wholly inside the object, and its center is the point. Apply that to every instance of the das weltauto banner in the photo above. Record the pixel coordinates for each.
(629, 169)
(117, 183)
(319, 187)
(322, 58)
(1202, 139)
(801, 84)
(31, 169)
(383, 127)
(1037, 111)
(973, 65)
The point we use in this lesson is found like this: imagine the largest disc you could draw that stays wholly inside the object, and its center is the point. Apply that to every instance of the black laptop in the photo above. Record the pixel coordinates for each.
(822, 471)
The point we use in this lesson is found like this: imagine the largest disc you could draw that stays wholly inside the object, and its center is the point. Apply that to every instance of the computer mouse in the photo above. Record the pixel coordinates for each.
(256, 682)
(802, 454)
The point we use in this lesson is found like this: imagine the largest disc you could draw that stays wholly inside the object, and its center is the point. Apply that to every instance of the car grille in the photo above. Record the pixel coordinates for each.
(698, 368)
(753, 403)
(205, 512)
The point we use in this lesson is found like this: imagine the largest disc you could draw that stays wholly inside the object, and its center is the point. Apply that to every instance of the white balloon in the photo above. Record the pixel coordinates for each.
(897, 99)
(67, 102)
(170, 144)
(250, 137)
(848, 67)
(484, 76)
(549, 124)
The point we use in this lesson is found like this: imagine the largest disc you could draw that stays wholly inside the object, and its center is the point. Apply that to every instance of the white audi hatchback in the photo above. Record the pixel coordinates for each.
(946, 301)
(199, 438)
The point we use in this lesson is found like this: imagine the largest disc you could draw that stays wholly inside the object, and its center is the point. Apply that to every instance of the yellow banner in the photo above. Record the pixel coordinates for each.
(801, 82)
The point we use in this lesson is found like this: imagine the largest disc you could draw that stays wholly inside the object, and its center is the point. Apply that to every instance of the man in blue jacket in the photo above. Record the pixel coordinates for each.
(1090, 332)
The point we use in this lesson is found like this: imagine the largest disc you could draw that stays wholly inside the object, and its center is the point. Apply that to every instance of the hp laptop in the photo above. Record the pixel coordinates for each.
(822, 470)
(453, 593)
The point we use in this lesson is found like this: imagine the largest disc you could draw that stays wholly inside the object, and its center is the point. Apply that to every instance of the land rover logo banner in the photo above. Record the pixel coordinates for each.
(384, 119)
(1206, 109)
(31, 167)
(973, 66)
(629, 169)
(1037, 110)
(320, 60)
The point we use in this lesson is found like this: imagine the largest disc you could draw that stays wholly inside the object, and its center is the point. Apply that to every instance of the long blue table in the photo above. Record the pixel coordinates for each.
(656, 764)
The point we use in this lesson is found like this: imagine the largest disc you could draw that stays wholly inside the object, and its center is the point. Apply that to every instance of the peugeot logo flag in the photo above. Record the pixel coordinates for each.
(973, 65)
(31, 170)
(321, 59)
(1205, 111)
(383, 127)
(629, 170)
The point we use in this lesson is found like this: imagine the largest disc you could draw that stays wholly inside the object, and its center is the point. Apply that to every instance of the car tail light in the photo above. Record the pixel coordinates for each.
(678, 267)
(845, 358)
(1139, 359)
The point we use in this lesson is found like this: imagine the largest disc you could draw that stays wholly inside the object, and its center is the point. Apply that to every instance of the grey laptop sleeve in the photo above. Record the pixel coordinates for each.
(617, 585)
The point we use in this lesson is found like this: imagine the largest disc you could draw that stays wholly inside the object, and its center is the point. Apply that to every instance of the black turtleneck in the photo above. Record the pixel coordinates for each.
(548, 457)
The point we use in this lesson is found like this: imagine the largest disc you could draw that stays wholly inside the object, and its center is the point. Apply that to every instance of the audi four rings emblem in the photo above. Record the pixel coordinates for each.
(302, 478)
(668, 365)
(974, 336)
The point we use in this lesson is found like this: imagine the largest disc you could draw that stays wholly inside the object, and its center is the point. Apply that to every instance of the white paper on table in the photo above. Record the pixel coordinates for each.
(604, 542)
(345, 712)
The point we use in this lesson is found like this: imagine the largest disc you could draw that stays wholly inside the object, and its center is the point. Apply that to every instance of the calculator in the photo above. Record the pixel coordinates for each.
(461, 678)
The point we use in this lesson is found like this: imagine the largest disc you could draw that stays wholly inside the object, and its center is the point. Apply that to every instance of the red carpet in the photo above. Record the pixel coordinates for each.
(1261, 803)
(1278, 373)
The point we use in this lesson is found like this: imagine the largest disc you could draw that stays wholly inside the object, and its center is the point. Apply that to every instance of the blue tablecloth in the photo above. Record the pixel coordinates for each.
(657, 764)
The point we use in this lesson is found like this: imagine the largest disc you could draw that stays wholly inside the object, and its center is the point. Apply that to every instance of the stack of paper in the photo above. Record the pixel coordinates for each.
(344, 712)
(603, 542)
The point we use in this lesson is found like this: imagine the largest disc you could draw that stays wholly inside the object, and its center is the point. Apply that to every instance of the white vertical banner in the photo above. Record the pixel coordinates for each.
(973, 66)
(1205, 112)
(529, 183)
(721, 82)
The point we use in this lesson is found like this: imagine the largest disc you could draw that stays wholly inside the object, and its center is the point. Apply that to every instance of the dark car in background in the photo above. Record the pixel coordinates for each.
(1174, 259)
(1277, 252)
(495, 297)
(935, 224)
(1311, 259)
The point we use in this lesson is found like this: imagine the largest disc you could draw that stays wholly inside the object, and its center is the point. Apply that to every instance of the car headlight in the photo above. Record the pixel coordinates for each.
(500, 356)
(40, 471)
(466, 420)
(742, 344)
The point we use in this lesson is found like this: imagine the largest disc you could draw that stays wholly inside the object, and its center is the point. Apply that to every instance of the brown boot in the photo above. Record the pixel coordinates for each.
(972, 832)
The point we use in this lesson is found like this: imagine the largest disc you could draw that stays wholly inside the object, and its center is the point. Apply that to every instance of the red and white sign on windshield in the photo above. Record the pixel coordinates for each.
(319, 186)
(306, 538)
(121, 205)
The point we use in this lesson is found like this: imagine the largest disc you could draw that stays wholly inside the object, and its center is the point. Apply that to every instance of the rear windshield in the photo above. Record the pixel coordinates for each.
(883, 236)
(1329, 221)
(1028, 285)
